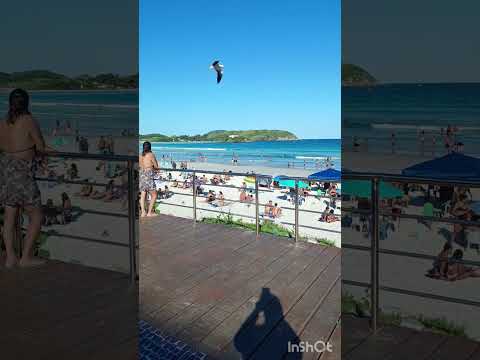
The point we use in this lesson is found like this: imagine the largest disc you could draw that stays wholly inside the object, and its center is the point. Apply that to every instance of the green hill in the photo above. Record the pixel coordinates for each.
(353, 75)
(225, 136)
(48, 80)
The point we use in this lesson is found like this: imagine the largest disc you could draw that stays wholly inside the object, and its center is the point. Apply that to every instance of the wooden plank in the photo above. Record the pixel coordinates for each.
(286, 296)
(336, 344)
(454, 347)
(422, 344)
(324, 292)
(384, 343)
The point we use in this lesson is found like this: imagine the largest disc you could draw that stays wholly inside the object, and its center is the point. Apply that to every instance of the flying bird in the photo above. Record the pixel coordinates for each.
(218, 68)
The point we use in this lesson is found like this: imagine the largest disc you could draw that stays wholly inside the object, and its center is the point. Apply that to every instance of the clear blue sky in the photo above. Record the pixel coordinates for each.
(70, 37)
(282, 66)
(413, 41)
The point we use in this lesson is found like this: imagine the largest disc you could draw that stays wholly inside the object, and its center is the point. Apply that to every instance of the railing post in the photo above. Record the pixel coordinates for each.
(257, 209)
(297, 235)
(194, 189)
(374, 254)
(131, 221)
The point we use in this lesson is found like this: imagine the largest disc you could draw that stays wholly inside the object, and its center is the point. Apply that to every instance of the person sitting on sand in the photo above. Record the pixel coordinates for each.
(268, 211)
(277, 211)
(243, 187)
(243, 196)
(72, 173)
(86, 190)
(50, 212)
(221, 199)
(203, 179)
(440, 265)
(210, 197)
(175, 183)
(66, 209)
(107, 193)
(332, 191)
(331, 217)
(325, 213)
(457, 270)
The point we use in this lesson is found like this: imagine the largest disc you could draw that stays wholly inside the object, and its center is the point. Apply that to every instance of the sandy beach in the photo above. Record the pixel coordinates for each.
(246, 212)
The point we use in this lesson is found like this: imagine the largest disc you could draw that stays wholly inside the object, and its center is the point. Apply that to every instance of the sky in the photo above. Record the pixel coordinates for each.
(281, 58)
(412, 40)
(70, 37)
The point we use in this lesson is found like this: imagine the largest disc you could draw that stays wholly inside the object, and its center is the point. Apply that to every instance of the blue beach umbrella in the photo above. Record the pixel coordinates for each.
(328, 174)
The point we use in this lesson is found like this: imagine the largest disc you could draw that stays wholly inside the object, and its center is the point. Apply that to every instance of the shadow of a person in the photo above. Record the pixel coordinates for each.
(267, 321)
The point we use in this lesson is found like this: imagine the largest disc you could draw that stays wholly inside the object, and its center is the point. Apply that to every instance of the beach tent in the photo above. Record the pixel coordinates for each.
(291, 183)
(280, 177)
(328, 174)
(363, 189)
(449, 167)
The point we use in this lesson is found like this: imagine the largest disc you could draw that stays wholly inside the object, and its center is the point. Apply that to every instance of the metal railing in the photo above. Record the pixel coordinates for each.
(257, 190)
(375, 212)
(131, 200)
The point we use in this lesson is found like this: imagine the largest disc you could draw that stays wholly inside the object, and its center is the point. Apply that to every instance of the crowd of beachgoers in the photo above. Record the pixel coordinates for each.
(224, 192)
(433, 202)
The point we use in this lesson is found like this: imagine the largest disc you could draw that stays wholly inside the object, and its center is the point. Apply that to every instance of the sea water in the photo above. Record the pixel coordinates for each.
(310, 154)
(93, 113)
(373, 114)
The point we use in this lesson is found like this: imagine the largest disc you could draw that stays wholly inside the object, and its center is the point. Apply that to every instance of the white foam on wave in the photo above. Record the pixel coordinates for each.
(316, 157)
(419, 127)
(119, 106)
(187, 148)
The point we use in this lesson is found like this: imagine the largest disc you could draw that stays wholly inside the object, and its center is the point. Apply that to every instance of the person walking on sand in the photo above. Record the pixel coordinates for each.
(20, 141)
(148, 165)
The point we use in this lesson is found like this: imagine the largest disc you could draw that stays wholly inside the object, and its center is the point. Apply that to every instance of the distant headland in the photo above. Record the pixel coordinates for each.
(48, 80)
(225, 136)
(354, 75)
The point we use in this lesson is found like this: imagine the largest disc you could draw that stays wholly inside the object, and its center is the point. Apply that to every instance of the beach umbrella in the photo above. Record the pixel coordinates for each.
(328, 174)
(449, 167)
(291, 183)
(363, 189)
(280, 177)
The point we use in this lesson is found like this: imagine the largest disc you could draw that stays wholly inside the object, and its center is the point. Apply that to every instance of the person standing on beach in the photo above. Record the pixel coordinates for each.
(148, 165)
(20, 141)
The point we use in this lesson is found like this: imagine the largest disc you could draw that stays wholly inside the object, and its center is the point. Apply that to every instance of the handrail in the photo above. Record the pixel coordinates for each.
(375, 212)
(256, 190)
(131, 193)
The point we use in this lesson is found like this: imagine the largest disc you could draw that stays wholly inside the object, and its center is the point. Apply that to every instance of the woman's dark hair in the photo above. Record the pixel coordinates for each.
(18, 105)
(147, 147)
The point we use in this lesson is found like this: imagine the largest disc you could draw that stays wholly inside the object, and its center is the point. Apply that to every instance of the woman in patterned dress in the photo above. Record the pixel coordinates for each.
(148, 165)
(20, 141)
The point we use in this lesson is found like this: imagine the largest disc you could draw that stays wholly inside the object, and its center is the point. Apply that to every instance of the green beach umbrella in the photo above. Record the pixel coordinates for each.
(291, 183)
(362, 188)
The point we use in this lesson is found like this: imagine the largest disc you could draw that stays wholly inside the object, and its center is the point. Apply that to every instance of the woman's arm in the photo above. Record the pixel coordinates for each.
(36, 134)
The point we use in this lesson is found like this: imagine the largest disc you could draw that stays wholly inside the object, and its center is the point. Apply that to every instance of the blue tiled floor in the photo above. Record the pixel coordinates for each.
(156, 346)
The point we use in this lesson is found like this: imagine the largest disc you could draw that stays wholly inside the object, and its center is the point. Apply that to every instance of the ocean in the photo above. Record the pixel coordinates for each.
(309, 154)
(373, 114)
(93, 113)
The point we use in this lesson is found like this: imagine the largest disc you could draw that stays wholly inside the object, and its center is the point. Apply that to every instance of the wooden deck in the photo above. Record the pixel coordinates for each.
(399, 343)
(65, 311)
(206, 284)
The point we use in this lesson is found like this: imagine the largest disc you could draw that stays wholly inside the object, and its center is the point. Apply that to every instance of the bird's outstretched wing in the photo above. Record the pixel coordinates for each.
(219, 77)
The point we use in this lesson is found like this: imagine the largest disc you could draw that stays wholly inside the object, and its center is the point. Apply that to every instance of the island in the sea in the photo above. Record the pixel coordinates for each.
(224, 136)
(354, 75)
(48, 80)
